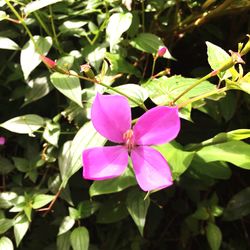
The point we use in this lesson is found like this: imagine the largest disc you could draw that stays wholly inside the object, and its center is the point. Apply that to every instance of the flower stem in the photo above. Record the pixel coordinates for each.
(196, 98)
(153, 66)
(224, 67)
(22, 22)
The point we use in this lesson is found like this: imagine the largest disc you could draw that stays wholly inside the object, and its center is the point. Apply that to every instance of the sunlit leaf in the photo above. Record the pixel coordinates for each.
(7, 43)
(138, 206)
(20, 228)
(79, 238)
(117, 25)
(30, 54)
(6, 244)
(115, 185)
(68, 85)
(41, 200)
(38, 4)
(26, 124)
(66, 225)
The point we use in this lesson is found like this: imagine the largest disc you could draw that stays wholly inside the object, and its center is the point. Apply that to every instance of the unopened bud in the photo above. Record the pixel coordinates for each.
(86, 69)
(161, 51)
(246, 48)
(2, 140)
(48, 62)
(236, 57)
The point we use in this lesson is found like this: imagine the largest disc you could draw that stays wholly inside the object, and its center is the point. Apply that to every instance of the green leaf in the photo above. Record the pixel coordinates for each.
(30, 56)
(3, 15)
(63, 241)
(41, 200)
(164, 89)
(178, 159)
(79, 238)
(214, 236)
(117, 25)
(6, 43)
(37, 5)
(238, 206)
(134, 91)
(112, 211)
(6, 244)
(5, 166)
(70, 160)
(235, 152)
(84, 210)
(137, 206)
(6, 199)
(68, 85)
(52, 132)
(217, 57)
(147, 42)
(120, 65)
(115, 185)
(243, 83)
(6, 224)
(66, 225)
(20, 228)
(22, 164)
(215, 169)
(26, 124)
(37, 88)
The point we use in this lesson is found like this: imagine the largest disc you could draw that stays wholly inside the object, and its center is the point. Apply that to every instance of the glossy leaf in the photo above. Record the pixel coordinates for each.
(6, 224)
(26, 124)
(238, 206)
(38, 4)
(84, 210)
(178, 159)
(5, 166)
(235, 152)
(79, 238)
(118, 64)
(164, 89)
(214, 236)
(71, 161)
(63, 241)
(217, 57)
(7, 43)
(41, 200)
(20, 228)
(37, 88)
(6, 199)
(115, 185)
(117, 25)
(66, 225)
(30, 55)
(68, 86)
(6, 244)
(147, 42)
(137, 206)
(134, 91)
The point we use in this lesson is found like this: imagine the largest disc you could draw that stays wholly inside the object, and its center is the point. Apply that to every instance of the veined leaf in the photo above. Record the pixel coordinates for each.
(79, 238)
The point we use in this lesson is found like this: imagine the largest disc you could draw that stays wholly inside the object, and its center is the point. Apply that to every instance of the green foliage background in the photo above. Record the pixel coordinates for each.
(45, 118)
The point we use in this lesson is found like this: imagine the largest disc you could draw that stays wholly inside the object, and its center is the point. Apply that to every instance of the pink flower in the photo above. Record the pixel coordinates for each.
(2, 140)
(111, 117)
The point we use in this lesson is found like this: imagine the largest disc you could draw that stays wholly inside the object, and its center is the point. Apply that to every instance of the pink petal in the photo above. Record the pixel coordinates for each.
(158, 125)
(104, 162)
(151, 169)
(111, 116)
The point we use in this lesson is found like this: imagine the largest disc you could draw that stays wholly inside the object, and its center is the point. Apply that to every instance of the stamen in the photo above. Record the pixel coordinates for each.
(128, 138)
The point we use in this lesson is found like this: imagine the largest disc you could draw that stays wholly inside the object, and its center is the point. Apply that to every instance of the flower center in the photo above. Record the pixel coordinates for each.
(128, 138)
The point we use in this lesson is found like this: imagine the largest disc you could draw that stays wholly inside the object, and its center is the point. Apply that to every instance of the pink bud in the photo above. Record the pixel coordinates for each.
(2, 140)
(48, 62)
(161, 51)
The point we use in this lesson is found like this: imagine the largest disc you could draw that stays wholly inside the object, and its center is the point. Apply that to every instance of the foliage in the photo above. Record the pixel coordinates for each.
(112, 47)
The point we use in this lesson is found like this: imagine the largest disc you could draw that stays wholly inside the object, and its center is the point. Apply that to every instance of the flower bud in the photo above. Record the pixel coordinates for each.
(161, 51)
(2, 140)
(86, 68)
(48, 62)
